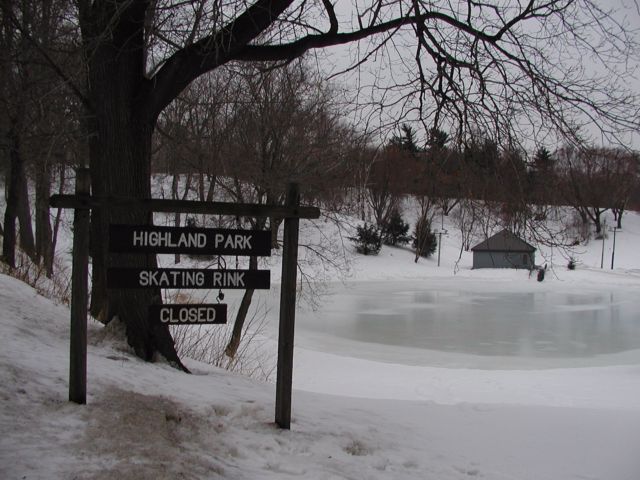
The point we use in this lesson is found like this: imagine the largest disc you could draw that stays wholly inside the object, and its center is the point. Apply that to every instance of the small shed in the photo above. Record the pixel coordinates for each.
(504, 250)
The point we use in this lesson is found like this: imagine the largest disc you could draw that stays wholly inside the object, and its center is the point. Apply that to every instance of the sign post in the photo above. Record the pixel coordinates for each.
(151, 239)
(613, 252)
(79, 294)
(284, 378)
(440, 233)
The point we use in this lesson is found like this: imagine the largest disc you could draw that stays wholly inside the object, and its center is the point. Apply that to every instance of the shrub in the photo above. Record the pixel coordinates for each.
(206, 343)
(424, 240)
(394, 230)
(368, 240)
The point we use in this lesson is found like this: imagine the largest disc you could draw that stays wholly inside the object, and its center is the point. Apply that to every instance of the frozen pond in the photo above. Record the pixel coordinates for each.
(405, 322)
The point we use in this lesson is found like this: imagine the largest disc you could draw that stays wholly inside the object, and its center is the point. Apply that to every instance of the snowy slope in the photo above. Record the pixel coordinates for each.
(150, 421)
(353, 418)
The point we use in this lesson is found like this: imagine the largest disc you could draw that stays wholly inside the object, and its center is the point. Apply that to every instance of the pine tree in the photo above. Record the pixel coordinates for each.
(394, 230)
(368, 240)
(424, 240)
(543, 161)
(406, 140)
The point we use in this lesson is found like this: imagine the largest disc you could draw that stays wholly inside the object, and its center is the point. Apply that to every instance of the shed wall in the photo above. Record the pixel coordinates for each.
(503, 260)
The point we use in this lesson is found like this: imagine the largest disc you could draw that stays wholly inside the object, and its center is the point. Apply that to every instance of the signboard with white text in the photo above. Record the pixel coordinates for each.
(191, 278)
(188, 314)
(193, 241)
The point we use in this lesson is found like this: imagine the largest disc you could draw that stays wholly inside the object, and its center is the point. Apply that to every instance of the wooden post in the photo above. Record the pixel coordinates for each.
(287, 312)
(79, 293)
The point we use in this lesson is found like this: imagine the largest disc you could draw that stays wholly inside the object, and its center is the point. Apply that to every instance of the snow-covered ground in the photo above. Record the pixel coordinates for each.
(365, 415)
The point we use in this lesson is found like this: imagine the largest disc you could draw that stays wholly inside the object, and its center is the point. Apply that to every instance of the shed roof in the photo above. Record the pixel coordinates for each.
(504, 241)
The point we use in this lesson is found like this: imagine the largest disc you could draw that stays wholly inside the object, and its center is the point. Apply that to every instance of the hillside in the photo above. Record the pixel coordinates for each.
(354, 417)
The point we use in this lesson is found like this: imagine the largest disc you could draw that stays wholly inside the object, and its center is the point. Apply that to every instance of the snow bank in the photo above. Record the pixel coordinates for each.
(149, 421)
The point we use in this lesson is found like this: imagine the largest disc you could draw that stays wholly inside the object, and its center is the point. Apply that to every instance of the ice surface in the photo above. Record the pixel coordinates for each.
(473, 324)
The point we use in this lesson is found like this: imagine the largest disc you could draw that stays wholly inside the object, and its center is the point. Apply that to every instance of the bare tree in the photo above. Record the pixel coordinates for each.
(625, 180)
(465, 219)
(596, 180)
(15, 86)
(382, 188)
(285, 129)
(491, 64)
(39, 123)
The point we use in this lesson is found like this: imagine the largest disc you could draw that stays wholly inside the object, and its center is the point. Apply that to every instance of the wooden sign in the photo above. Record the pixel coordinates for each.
(189, 314)
(188, 278)
(194, 241)
(149, 239)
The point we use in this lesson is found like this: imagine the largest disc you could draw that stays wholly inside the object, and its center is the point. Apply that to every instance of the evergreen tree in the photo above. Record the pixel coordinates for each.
(438, 139)
(394, 230)
(424, 240)
(406, 140)
(482, 156)
(368, 240)
(543, 161)
(542, 176)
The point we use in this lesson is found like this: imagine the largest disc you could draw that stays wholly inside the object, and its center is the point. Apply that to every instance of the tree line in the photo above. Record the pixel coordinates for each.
(589, 179)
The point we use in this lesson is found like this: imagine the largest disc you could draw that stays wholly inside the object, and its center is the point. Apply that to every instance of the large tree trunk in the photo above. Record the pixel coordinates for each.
(44, 233)
(238, 326)
(58, 218)
(241, 316)
(17, 207)
(176, 216)
(11, 208)
(597, 223)
(274, 226)
(27, 239)
(99, 230)
(617, 216)
(120, 162)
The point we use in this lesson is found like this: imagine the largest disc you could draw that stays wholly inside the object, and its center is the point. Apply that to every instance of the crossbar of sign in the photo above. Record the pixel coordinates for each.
(187, 314)
(188, 278)
(194, 241)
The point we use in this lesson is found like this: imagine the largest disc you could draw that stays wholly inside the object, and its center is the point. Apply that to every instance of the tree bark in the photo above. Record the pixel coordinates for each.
(56, 222)
(17, 208)
(27, 240)
(617, 216)
(241, 316)
(120, 163)
(11, 208)
(176, 216)
(274, 226)
(44, 234)
(99, 229)
(212, 185)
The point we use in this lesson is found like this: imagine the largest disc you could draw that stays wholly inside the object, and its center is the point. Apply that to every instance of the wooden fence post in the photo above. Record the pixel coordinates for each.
(287, 312)
(79, 293)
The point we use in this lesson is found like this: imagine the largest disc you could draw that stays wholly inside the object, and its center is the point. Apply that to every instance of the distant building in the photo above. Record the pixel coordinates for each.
(504, 250)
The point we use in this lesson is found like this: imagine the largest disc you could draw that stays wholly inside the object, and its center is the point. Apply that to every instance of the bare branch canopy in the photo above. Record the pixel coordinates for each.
(522, 70)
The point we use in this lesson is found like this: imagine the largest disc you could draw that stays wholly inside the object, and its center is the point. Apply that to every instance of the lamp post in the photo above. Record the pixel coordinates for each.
(603, 233)
(613, 251)
(440, 233)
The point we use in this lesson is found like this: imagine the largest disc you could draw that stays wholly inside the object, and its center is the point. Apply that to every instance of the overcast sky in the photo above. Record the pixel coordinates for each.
(382, 69)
